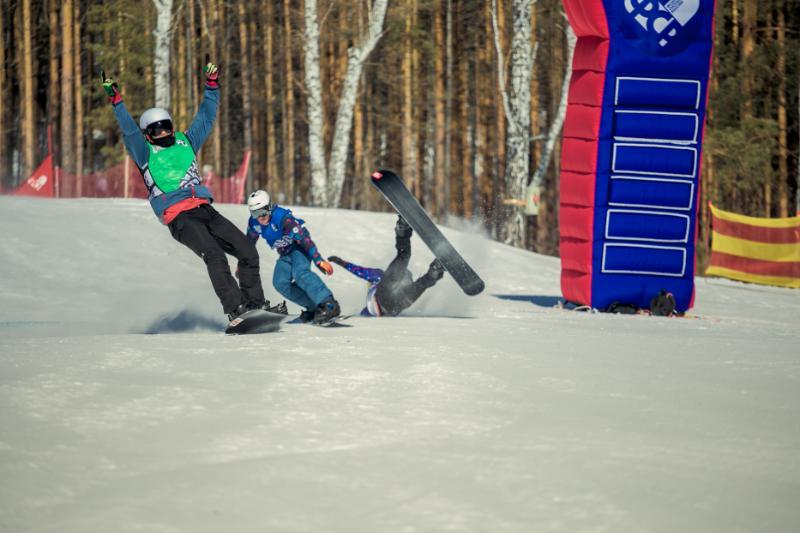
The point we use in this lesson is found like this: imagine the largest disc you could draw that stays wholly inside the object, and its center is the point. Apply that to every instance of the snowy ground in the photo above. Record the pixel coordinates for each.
(494, 414)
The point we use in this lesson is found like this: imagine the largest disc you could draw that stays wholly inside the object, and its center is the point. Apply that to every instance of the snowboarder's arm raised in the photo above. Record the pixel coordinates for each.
(203, 121)
(132, 136)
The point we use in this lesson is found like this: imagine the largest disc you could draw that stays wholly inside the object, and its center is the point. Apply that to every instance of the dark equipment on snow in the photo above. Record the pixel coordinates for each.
(393, 189)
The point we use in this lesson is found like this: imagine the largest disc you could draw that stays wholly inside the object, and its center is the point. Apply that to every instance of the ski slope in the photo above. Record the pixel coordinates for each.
(124, 408)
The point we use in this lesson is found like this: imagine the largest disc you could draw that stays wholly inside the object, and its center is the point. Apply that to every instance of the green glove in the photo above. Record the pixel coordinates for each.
(111, 88)
(212, 75)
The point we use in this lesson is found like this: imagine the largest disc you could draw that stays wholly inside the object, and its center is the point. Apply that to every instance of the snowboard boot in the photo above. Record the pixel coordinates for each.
(402, 241)
(436, 270)
(327, 310)
(402, 229)
(307, 315)
(236, 313)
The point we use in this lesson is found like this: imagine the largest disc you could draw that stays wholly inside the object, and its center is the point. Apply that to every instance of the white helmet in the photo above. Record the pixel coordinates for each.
(153, 115)
(258, 203)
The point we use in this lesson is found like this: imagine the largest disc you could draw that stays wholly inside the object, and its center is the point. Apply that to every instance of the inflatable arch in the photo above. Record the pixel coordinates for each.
(631, 150)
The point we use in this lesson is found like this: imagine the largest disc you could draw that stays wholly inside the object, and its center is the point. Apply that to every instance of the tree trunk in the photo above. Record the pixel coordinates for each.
(27, 96)
(561, 112)
(214, 46)
(357, 55)
(67, 90)
(356, 200)
(448, 117)
(407, 137)
(5, 174)
(78, 82)
(750, 19)
(464, 196)
(518, 116)
(288, 103)
(247, 112)
(272, 177)
(191, 68)
(181, 87)
(224, 112)
(316, 112)
(535, 147)
(783, 135)
(439, 109)
(498, 187)
(162, 34)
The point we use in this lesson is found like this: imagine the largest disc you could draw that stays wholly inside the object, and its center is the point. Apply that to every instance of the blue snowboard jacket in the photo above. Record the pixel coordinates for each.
(135, 142)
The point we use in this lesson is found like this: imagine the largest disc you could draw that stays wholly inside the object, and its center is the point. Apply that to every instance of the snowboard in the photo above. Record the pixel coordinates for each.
(335, 322)
(393, 189)
(255, 321)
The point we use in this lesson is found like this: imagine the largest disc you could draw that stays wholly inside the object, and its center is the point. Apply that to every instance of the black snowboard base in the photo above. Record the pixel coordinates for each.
(393, 189)
(255, 321)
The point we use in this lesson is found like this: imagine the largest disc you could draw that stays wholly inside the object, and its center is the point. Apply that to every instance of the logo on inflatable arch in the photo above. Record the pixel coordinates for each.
(666, 27)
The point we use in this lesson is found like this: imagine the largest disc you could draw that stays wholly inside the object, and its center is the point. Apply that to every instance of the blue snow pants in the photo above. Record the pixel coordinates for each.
(295, 281)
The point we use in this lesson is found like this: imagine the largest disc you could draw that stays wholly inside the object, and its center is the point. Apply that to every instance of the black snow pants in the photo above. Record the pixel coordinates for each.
(210, 235)
(396, 290)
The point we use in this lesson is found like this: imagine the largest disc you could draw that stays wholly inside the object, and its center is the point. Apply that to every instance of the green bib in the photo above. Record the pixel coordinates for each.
(169, 166)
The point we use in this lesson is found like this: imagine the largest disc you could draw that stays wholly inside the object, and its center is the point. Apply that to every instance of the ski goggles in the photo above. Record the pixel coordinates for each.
(258, 213)
(159, 128)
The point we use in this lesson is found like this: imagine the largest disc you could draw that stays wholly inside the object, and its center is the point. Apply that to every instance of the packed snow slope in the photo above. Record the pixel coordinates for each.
(124, 408)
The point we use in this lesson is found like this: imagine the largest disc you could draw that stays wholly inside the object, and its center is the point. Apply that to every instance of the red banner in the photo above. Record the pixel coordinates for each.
(229, 190)
(40, 183)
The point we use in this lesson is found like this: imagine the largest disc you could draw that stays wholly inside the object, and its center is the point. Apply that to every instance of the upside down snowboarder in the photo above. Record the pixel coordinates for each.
(394, 290)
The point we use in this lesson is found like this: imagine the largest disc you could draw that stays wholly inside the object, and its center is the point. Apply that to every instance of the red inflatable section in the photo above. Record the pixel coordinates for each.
(580, 145)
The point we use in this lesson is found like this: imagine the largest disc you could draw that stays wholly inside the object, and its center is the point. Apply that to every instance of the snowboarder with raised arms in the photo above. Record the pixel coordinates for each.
(292, 276)
(168, 164)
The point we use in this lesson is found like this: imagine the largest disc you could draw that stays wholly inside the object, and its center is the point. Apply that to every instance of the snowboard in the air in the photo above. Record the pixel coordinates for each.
(393, 189)
(255, 321)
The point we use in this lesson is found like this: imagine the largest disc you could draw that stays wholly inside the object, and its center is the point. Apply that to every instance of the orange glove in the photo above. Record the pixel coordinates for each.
(326, 267)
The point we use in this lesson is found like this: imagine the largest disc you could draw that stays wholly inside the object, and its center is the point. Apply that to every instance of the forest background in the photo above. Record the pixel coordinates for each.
(428, 101)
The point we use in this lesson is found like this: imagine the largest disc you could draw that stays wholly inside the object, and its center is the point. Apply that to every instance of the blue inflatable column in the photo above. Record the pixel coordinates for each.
(631, 152)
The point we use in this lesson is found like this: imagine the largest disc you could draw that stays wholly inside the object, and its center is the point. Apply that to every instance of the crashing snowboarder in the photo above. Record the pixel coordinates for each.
(394, 290)
(292, 277)
(167, 161)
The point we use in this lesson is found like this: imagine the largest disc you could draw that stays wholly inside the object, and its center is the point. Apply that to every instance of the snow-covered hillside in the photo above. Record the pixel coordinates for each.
(124, 408)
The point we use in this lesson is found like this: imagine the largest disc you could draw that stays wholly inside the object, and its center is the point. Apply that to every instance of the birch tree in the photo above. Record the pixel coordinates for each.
(517, 110)
(162, 34)
(327, 179)
(561, 113)
(67, 93)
